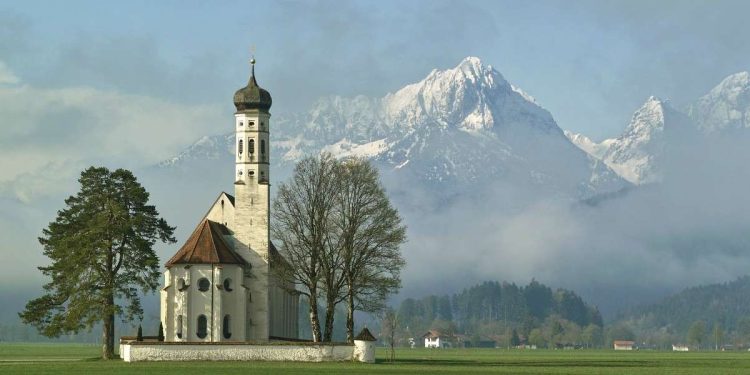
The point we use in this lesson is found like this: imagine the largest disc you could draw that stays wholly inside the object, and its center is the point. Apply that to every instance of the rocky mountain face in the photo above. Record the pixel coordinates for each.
(725, 107)
(637, 153)
(456, 128)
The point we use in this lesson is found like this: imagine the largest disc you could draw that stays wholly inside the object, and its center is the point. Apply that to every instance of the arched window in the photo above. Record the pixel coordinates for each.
(240, 123)
(228, 284)
(226, 328)
(202, 331)
(263, 146)
(181, 284)
(179, 326)
(239, 147)
(203, 284)
(251, 146)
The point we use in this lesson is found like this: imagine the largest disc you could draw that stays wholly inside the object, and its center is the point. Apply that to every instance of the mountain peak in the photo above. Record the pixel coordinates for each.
(472, 64)
(741, 80)
(726, 106)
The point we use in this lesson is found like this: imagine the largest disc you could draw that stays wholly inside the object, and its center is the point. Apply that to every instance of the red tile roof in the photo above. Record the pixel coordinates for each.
(206, 246)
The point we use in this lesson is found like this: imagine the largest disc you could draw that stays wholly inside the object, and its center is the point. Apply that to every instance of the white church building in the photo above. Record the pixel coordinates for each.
(221, 298)
(219, 286)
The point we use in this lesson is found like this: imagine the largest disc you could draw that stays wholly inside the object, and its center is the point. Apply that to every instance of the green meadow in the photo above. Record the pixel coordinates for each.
(82, 359)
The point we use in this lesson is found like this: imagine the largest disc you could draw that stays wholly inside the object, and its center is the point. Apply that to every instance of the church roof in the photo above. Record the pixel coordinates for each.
(206, 246)
(252, 96)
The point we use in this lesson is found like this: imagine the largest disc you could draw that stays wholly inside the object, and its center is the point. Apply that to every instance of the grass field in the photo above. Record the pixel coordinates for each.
(81, 359)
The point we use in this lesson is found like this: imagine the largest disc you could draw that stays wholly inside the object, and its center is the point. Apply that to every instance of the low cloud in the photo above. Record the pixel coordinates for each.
(689, 230)
(46, 131)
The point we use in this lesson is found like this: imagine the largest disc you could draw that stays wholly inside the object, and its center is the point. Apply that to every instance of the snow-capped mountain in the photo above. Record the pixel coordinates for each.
(456, 127)
(595, 149)
(726, 106)
(636, 153)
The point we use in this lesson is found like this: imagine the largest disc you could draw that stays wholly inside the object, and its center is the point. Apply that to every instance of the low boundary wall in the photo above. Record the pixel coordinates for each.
(135, 351)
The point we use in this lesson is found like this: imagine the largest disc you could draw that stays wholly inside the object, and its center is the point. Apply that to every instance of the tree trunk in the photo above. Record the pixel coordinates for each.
(350, 318)
(330, 310)
(314, 319)
(108, 331)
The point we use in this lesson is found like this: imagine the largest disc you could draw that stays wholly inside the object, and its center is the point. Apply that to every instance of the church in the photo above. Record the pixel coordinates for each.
(220, 286)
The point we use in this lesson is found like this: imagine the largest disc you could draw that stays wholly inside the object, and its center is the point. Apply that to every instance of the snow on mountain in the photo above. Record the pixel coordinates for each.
(205, 148)
(637, 152)
(726, 106)
(585, 143)
(632, 155)
(456, 127)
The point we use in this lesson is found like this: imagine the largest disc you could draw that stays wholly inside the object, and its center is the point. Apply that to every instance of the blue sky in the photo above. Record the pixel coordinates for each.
(590, 63)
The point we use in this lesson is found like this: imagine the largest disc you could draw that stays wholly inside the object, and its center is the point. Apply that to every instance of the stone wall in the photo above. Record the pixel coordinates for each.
(159, 351)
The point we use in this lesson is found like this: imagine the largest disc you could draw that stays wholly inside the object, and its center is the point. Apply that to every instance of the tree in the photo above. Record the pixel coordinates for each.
(101, 251)
(718, 335)
(697, 333)
(592, 335)
(743, 329)
(370, 234)
(302, 214)
(389, 325)
(514, 339)
(619, 332)
(536, 338)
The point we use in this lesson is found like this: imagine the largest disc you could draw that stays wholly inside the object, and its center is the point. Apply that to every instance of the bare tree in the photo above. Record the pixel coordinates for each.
(388, 327)
(302, 215)
(369, 236)
(341, 237)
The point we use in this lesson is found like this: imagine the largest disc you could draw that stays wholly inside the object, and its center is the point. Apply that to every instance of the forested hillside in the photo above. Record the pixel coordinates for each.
(708, 315)
(505, 312)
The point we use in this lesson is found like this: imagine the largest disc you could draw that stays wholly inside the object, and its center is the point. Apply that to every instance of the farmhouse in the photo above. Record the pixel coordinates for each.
(435, 339)
(623, 345)
(221, 299)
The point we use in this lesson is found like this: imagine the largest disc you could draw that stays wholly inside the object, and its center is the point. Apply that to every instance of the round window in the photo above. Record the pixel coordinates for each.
(203, 284)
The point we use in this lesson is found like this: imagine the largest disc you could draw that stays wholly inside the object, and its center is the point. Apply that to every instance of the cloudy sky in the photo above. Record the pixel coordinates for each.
(132, 83)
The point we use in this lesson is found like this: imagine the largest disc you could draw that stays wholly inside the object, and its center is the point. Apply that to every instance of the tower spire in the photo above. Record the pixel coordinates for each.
(252, 66)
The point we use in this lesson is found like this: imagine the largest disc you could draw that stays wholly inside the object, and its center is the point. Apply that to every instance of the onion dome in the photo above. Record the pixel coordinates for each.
(252, 96)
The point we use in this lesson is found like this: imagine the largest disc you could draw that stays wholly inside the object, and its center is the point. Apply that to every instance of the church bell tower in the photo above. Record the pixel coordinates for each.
(252, 195)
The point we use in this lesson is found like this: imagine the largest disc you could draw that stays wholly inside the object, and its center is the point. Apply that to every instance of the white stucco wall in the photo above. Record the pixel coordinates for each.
(237, 352)
(214, 303)
(364, 351)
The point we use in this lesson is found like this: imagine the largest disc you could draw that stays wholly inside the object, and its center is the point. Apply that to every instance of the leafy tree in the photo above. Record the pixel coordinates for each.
(536, 337)
(592, 335)
(697, 333)
(743, 329)
(619, 332)
(101, 251)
